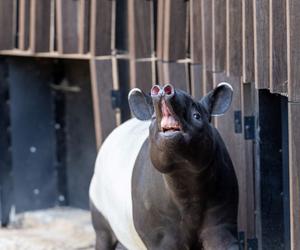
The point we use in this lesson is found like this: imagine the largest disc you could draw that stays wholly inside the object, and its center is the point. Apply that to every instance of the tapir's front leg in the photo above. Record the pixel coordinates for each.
(218, 238)
(105, 238)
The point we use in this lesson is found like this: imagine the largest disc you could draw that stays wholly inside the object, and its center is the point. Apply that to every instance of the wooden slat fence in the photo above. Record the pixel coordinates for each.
(193, 44)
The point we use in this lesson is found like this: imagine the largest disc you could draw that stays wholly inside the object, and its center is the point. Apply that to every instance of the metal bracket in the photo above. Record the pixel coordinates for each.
(252, 244)
(249, 124)
(241, 239)
(116, 99)
(238, 122)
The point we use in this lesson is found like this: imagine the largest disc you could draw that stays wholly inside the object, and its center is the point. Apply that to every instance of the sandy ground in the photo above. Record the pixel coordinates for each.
(52, 229)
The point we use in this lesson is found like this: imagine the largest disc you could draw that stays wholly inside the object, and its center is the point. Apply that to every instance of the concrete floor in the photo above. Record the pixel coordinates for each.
(52, 229)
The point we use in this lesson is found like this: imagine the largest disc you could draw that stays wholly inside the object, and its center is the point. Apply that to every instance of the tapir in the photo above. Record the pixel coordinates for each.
(164, 179)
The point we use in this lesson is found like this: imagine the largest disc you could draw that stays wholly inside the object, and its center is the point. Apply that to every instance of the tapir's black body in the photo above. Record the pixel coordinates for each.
(184, 188)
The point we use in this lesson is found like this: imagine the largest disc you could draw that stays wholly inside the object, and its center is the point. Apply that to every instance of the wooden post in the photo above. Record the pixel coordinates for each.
(248, 41)
(278, 47)
(40, 15)
(7, 34)
(261, 43)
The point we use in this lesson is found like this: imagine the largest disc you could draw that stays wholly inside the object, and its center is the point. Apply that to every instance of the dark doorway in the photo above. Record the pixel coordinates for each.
(51, 126)
(274, 172)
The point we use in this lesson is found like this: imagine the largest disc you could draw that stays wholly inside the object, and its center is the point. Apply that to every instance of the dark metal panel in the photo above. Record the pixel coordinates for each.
(272, 220)
(294, 168)
(285, 172)
(81, 148)
(33, 136)
(6, 188)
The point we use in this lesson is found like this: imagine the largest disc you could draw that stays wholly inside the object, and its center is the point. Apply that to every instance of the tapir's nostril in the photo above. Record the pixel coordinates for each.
(168, 89)
(155, 90)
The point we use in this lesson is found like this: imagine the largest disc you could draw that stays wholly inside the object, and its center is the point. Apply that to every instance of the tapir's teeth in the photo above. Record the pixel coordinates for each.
(169, 122)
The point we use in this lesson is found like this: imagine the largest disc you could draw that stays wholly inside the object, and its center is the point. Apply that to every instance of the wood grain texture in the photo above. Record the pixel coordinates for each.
(83, 23)
(278, 47)
(24, 18)
(218, 35)
(67, 26)
(294, 166)
(102, 85)
(140, 28)
(196, 81)
(293, 36)
(175, 74)
(248, 109)
(40, 15)
(248, 41)
(7, 24)
(261, 43)
(235, 144)
(234, 37)
(196, 31)
(143, 76)
(101, 27)
(175, 29)
(206, 14)
(160, 29)
(207, 80)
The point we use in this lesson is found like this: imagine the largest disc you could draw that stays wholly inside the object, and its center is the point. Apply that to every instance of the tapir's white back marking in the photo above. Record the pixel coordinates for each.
(110, 189)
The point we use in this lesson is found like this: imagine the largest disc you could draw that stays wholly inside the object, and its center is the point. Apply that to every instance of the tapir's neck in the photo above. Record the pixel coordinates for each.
(189, 189)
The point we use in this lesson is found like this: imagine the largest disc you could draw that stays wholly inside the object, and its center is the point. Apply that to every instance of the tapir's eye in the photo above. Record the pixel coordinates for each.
(197, 116)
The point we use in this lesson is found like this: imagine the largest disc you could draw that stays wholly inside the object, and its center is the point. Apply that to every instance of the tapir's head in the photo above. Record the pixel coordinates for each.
(180, 131)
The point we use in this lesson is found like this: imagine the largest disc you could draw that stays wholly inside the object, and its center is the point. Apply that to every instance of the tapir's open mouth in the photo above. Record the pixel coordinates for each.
(168, 121)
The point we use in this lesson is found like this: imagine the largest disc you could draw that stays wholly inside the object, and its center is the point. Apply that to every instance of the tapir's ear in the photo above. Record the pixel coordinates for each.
(218, 101)
(140, 104)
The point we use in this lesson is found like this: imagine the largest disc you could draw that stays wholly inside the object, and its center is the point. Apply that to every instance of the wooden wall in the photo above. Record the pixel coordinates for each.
(194, 44)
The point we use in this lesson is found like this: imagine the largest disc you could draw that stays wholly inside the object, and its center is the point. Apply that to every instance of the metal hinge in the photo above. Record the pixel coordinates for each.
(116, 99)
(241, 239)
(249, 130)
(252, 244)
(238, 122)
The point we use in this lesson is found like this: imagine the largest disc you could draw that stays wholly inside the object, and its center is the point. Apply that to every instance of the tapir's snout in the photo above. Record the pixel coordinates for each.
(167, 120)
(166, 91)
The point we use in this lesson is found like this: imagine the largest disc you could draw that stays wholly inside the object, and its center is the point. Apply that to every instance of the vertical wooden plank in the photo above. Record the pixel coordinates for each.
(24, 17)
(40, 15)
(207, 80)
(206, 14)
(101, 27)
(6, 23)
(140, 28)
(235, 143)
(261, 43)
(248, 41)
(248, 100)
(175, 13)
(160, 29)
(293, 38)
(196, 31)
(196, 81)
(175, 74)
(219, 35)
(278, 47)
(67, 26)
(143, 76)
(102, 85)
(294, 166)
(83, 22)
(234, 38)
